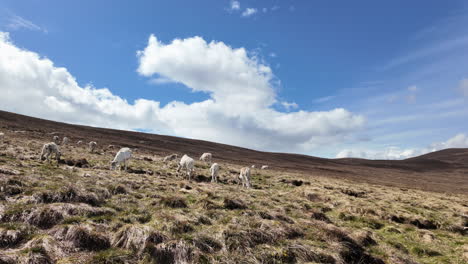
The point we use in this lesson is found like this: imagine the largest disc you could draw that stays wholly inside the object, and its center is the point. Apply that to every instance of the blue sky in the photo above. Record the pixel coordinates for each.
(356, 78)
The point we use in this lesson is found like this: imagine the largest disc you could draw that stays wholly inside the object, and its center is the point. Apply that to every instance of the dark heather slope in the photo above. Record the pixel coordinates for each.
(442, 171)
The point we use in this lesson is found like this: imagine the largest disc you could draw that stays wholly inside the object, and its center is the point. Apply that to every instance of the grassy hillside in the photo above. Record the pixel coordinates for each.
(88, 214)
(443, 171)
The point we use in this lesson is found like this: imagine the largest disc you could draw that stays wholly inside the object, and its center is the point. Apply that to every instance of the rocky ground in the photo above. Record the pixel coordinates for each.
(81, 212)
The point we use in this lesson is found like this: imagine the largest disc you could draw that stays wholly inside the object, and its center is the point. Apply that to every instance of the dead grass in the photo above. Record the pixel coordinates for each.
(174, 202)
(84, 238)
(66, 214)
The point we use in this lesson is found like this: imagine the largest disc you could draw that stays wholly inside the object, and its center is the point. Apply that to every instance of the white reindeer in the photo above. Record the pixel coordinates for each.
(48, 149)
(206, 157)
(244, 176)
(214, 172)
(65, 141)
(186, 163)
(92, 146)
(123, 155)
(56, 140)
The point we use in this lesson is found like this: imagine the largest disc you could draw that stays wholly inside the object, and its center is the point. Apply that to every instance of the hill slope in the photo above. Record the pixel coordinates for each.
(78, 211)
(443, 171)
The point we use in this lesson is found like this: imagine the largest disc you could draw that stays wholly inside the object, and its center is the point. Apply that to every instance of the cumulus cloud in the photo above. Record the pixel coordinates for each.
(242, 93)
(392, 153)
(235, 5)
(458, 141)
(53, 93)
(239, 110)
(249, 11)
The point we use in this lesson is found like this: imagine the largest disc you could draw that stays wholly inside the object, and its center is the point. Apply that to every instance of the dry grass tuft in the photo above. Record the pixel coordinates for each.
(320, 217)
(364, 238)
(207, 244)
(174, 202)
(313, 197)
(265, 215)
(7, 259)
(284, 218)
(113, 256)
(44, 249)
(137, 238)
(181, 226)
(242, 240)
(12, 236)
(80, 163)
(44, 217)
(233, 204)
(173, 252)
(83, 237)
(423, 224)
(299, 253)
(68, 195)
(117, 189)
(353, 193)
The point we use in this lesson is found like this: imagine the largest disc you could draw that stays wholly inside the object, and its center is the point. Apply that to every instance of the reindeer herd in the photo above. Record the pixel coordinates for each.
(122, 157)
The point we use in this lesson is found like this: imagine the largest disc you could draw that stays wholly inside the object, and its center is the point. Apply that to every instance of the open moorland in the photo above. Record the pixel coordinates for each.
(301, 210)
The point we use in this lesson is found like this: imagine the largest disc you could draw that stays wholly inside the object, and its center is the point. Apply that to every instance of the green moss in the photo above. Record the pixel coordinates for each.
(34, 250)
(423, 251)
(111, 256)
(74, 220)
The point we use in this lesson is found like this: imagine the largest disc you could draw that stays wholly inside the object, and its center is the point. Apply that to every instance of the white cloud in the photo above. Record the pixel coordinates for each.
(239, 110)
(389, 153)
(53, 93)
(458, 141)
(289, 106)
(235, 5)
(463, 87)
(249, 12)
(273, 55)
(15, 22)
(274, 8)
(242, 93)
